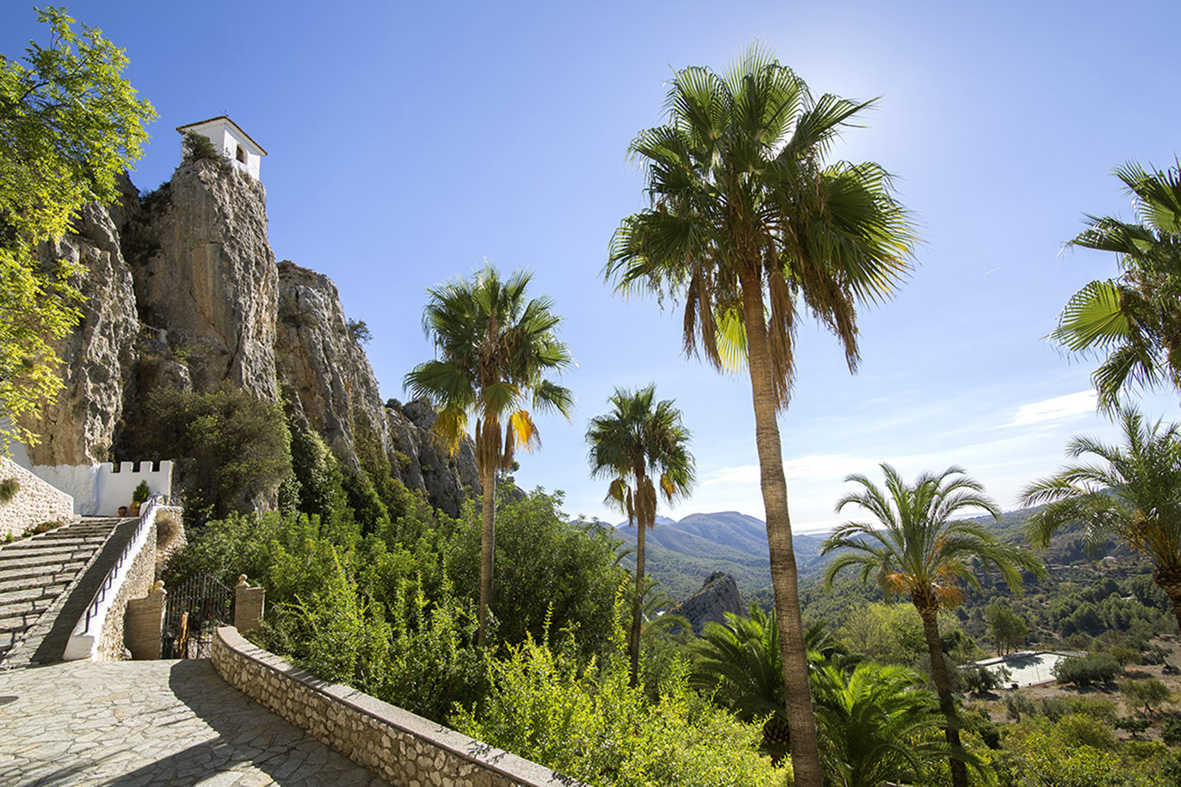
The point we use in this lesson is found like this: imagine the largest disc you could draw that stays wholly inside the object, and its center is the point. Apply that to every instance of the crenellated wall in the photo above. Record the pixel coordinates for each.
(99, 490)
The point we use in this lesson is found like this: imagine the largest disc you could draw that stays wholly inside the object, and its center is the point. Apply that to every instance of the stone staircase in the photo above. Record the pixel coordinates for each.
(36, 571)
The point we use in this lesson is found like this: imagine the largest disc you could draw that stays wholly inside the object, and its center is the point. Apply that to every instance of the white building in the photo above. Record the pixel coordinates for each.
(229, 140)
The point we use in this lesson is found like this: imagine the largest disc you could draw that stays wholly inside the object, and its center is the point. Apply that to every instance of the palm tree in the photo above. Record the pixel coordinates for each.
(1134, 318)
(747, 224)
(1134, 495)
(741, 664)
(917, 548)
(875, 723)
(641, 445)
(493, 347)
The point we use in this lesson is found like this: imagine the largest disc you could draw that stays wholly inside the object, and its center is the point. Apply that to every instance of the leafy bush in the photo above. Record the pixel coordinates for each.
(981, 680)
(1055, 708)
(359, 332)
(1018, 705)
(587, 722)
(1132, 724)
(1170, 731)
(198, 147)
(1087, 670)
(233, 449)
(8, 489)
(141, 493)
(1144, 693)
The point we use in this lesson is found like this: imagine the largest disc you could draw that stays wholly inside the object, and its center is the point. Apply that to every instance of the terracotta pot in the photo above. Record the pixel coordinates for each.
(134, 508)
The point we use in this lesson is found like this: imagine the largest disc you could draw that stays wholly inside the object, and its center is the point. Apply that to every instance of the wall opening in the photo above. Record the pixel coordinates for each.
(241, 154)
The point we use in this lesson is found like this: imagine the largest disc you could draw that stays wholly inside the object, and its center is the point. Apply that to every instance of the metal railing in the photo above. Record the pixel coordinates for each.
(146, 516)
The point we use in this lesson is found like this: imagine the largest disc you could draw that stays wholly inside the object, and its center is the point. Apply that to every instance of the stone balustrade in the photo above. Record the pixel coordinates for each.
(404, 748)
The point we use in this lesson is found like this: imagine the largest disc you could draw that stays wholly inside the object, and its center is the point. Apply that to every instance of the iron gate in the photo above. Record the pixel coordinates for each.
(191, 614)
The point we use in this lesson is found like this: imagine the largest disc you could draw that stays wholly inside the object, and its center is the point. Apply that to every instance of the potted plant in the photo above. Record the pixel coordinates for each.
(139, 497)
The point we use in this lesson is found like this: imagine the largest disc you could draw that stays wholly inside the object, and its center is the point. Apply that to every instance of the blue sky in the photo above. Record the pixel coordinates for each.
(409, 143)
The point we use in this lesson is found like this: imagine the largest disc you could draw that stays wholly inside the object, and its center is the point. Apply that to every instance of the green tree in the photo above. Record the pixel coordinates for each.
(69, 125)
(875, 724)
(494, 347)
(1144, 694)
(748, 224)
(642, 446)
(1133, 318)
(1135, 495)
(916, 547)
(1009, 630)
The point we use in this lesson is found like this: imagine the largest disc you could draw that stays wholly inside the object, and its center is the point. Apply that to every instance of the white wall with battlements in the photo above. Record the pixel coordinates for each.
(34, 502)
(99, 490)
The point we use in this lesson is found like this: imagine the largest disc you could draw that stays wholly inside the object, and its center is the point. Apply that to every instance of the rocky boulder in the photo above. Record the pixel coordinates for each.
(717, 596)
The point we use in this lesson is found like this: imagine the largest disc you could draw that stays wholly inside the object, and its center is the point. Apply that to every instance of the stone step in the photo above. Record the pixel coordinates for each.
(32, 593)
(55, 569)
(13, 554)
(24, 612)
(40, 581)
(41, 562)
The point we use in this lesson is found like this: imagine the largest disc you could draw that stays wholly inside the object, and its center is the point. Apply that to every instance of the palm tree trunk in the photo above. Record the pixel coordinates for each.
(487, 549)
(637, 616)
(805, 754)
(959, 772)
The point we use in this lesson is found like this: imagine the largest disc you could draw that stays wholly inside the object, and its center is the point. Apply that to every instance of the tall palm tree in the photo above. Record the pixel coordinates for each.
(1133, 318)
(747, 224)
(494, 346)
(642, 446)
(1135, 495)
(916, 547)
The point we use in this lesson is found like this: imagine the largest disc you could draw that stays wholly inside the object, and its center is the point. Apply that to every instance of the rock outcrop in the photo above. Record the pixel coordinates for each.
(326, 374)
(208, 277)
(717, 596)
(79, 426)
(183, 291)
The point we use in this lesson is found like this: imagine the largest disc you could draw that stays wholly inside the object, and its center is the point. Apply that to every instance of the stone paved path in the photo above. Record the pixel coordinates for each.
(152, 722)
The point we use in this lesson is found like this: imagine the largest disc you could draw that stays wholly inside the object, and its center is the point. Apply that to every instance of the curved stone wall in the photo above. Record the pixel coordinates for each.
(402, 747)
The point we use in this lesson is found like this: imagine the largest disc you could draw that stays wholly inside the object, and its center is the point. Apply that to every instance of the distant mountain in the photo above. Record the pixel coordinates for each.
(683, 554)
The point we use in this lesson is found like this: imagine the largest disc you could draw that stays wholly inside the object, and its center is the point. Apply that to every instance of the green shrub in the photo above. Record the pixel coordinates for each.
(141, 493)
(232, 448)
(1144, 694)
(1055, 708)
(587, 722)
(8, 489)
(1132, 724)
(1018, 705)
(1170, 731)
(198, 147)
(1087, 670)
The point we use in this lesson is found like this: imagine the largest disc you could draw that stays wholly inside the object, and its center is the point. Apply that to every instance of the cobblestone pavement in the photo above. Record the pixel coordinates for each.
(152, 722)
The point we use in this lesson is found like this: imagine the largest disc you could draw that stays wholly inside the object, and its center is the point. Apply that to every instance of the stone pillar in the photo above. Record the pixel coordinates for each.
(143, 622)
(248, 606)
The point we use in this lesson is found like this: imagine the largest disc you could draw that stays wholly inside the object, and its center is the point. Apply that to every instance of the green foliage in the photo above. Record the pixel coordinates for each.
(1097, 708)
(1133, 319)
(981, 680)
(887, 633)
(1094, 668)
(1133, 724)
(8, 489)
(141, 493)
(1144, 694)
(1170, 731)
(317, 473)
(584, 720)
(876, 725)
(545, 568)
(70, 124)
(198, 147)
(1018, 705)
(232, 448)
(1009, 631)
(1075, 752)
(359, 332)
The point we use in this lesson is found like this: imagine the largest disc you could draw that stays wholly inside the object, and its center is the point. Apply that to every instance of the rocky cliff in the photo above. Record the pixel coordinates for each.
(717, 596)
(183, 291)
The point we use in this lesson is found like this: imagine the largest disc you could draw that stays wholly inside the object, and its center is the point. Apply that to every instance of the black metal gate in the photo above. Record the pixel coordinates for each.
(191, 614)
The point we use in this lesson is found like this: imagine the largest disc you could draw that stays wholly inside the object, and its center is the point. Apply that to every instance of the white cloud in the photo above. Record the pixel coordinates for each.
(1055, 409)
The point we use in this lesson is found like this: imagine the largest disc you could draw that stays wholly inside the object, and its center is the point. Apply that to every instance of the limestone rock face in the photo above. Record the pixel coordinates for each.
(207, 274)
(717, 596)
(79, 427)
(327, 376)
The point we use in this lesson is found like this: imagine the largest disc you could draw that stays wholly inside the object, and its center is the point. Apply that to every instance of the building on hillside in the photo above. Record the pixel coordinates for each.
(230, 141)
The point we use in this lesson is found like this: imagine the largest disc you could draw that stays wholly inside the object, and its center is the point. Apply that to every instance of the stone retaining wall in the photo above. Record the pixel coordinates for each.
(35, 501)
(404, 748)
(137, 583)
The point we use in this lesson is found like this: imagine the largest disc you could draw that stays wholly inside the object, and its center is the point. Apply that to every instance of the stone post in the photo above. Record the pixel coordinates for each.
(143, 623)
(248, 606)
